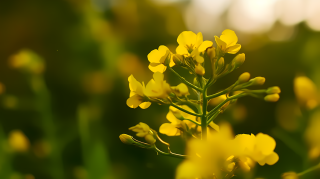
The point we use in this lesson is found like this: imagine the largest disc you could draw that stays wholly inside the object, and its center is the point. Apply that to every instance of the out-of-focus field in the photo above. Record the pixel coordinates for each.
(64, 68)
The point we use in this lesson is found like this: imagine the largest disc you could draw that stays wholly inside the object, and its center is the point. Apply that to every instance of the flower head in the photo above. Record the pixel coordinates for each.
(228, 42)
(157, 87)
(136, 94)
(143, 130)
(174, 116)
(158, 58)
(180, 90)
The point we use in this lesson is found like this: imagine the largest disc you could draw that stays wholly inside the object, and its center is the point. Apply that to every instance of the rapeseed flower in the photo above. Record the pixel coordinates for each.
(137, 96)
(306, 92)
(177, 126)
(158, 58)
(143, 130)
(157, 87)
(259, 148)
(192, 45)
(180, 90)
(228, 42)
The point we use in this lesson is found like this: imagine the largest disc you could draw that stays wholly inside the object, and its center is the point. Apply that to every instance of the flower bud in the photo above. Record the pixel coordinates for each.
(199, 70)
(211, 51)
(273, 90)
(150, 139)
(290, 175)
(177, 59)
(180, 90)
(244, 77)
(258, 80)
(238, 60)
(126, 139)
(220, 65)
(272, 97)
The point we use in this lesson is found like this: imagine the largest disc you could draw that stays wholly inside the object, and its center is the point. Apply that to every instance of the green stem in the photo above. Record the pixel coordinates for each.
(218, 94)
(213, 117)
(204, 114)
(186, 111)
(195, 122)
(309, 170)
(171, 154)
(185, 81)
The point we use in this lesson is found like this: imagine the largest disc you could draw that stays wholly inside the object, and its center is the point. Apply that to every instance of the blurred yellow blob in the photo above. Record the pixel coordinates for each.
(312, 135)
(158, 58)
(18, 141)
(41, 148)
(217, 100)
(228, 42)
(29, 176)
(306, 92)
(28, 61)
(97, 82)
(199, 69)
(290, 175)
(239, 112)
(287, 114)
(129, 63)
(176, 127)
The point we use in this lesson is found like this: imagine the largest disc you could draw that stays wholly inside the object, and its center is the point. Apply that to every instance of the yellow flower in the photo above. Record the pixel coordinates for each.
(306, 92)
(136, 94)
(206, 158)
(174, 128)
(180, 90)
(18, 141)
(143, 130)
(157, 59)
(312, 135)
(192, 45)
(290, 175)
(228, 42)
(259, 148)
(157, 87)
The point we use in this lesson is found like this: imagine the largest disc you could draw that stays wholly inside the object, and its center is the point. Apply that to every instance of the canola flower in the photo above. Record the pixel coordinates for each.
(213, 151)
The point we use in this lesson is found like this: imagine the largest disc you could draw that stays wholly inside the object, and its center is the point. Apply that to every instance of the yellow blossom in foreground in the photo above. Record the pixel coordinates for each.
(312, 135)
(157, 87)
(180, 90)
(259, 148)
(206, 158)
(136, 94)
(306, 92)
(174, 128)
(228, 42)
(143, 130)
(158, 57)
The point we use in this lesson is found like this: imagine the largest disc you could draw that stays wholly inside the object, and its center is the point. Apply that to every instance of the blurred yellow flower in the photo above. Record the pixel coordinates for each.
(157, 87)
(136, 94)
(306, 92)
(18, 141)
(157, 59)
(174, 128)
(312, 135)
(259, 148)
(228, 42)
(290, 175)
(180, 90)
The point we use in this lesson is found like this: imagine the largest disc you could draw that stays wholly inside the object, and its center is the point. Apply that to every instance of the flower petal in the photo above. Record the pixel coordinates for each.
(221, 44)
(181, 50)
(187, 38)
(272, 159)
(229, 37)
(158, 77)
(205, 45)
(199, 40)
(154, 56)
(169, 129)
(157, 68)
(145, 105)
(234, 49)
(265, 143)
(134, 101)
(172, 118)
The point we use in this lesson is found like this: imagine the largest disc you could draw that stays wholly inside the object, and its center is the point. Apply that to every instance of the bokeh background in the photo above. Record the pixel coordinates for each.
(64, 66)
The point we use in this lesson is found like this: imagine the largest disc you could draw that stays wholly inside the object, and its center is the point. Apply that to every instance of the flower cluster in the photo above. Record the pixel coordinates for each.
(212, 150)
